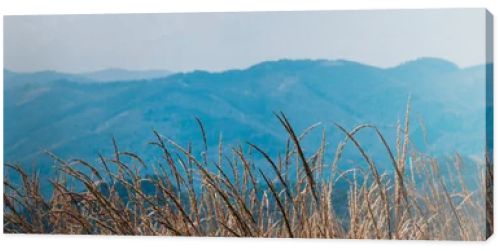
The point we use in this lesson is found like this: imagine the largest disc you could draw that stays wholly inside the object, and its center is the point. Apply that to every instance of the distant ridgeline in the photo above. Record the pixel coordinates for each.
(76, 116)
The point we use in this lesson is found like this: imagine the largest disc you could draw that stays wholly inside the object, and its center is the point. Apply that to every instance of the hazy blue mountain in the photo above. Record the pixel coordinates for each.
(16, 79)
(12, 78)
(111, 75)
(76, 118)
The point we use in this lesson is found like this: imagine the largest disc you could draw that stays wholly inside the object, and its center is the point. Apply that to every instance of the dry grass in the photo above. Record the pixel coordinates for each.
(295, 197)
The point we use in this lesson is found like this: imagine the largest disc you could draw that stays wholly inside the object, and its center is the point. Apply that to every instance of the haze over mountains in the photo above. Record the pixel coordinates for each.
(75, 116)
(107, 75)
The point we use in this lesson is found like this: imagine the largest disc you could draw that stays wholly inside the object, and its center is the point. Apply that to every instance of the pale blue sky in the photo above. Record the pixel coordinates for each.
(219, 41)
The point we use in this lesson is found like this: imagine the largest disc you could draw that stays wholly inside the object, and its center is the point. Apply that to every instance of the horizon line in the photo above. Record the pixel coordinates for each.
(243, 68)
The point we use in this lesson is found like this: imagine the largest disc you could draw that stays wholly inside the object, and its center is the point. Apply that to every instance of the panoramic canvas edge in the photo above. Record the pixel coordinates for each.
(489, 124)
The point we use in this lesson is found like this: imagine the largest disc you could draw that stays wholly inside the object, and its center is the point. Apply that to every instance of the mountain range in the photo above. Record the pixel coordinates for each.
(76, 115)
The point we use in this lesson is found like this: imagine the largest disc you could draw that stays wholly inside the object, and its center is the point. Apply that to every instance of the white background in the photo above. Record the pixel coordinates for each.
(67, 243)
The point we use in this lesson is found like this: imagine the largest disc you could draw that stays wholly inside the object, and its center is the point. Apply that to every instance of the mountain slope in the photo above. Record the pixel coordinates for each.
(77, 119)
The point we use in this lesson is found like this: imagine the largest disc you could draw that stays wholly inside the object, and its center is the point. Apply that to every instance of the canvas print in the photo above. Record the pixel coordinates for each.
(369, 124)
